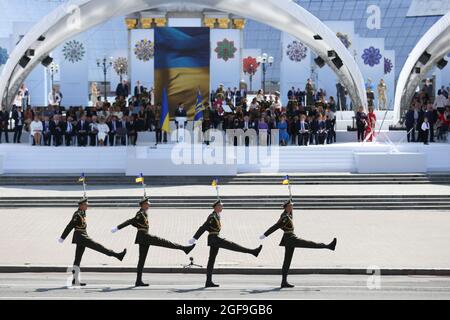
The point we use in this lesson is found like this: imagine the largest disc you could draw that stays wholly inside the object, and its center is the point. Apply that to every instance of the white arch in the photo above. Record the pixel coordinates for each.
(437, 43)
(284, 15)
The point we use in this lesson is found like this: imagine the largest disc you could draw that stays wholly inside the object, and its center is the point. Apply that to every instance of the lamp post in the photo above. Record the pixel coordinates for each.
(105, 64)
(265, 61)
(53, 69)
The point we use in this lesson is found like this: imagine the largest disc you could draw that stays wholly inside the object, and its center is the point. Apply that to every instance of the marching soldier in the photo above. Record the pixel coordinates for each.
(83, 241)
(213, 226)
(145, 240)
(290, 241)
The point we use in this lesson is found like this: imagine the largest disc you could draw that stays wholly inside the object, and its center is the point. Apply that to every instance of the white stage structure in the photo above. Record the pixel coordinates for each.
(433, 47)
(77, 16)
(165, 160)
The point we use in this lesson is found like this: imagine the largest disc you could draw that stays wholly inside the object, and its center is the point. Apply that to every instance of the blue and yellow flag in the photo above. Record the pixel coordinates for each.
(215, 182)
(286, 181)
(182, 66)
(82, 178)
(165, 117)
(199, 109)
(140, 178)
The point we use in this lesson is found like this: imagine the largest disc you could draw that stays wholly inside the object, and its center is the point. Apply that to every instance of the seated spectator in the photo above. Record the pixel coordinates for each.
(47, 135)
(68, 129)
(82, 130)
(36, 130)
(93, 130)
(283, 127)
(103, 131)
(56, 129)
(132, 130)
(303, 131)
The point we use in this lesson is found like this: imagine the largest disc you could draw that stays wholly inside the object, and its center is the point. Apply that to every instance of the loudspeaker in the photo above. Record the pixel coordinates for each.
(417, 70)
(41, 38)
(424, 58)
(442, 63)
(30, 53)
(338, 62)
(320, 62)
(317, 37)
(47, 61)
(23, 62)
(331, 54)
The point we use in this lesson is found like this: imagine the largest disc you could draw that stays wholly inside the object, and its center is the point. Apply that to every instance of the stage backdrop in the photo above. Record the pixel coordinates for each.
(182, 65)
(142, 54)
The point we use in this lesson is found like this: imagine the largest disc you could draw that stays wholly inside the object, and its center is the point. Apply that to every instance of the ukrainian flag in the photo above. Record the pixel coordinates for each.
(199, 109)
(82, 178)
(140, 178)
(182, 66)
(286, 181)
(165, 116)
(215, 182)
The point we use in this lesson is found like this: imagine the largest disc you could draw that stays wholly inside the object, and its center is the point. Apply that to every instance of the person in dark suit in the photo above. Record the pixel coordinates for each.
(138, 90)
(361, 123)
(4, 124)
(46, 133)
(69, 130)
(132, 128)
(123, 90)
(113, 125)
(83, 241)
(214, 226)
(303, 131)
(56, 129)
(314, 131)
(19, 120)
(180, 113)
(145, 240)
(431, 116)
(290, 241)
(409, 123)
(82, 130)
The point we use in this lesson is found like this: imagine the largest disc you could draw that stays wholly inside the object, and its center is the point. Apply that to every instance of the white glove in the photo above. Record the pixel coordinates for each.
(192, 241)
(114, 230)
(262, 237)
(60, 240)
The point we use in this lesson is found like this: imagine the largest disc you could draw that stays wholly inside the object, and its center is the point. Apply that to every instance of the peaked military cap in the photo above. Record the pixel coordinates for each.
(83, 200)
(218, 202)
(144, 200)
(287, 202)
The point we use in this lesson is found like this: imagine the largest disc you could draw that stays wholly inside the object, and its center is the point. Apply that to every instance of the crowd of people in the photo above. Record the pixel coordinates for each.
(308, 117)
(428, 118)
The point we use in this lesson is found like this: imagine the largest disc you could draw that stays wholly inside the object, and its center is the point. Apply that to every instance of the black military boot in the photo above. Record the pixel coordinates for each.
(76, 282)
(332, 245)
(121, 255)
(139, 283)
(257, 251)
(210, 284)
(188, 249)
(286, 284)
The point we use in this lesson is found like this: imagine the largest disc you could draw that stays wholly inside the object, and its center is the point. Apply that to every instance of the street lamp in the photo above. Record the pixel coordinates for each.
(105, 64)
(265, 61)
(53, 69)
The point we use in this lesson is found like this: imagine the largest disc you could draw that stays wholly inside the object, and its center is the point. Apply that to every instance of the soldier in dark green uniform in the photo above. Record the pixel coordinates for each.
(290, 241)
(213, 226)
(82, 240)
(145, 240)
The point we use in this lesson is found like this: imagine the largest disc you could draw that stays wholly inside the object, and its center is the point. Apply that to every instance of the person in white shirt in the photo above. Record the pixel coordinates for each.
(54, 98)
(103, 131)
(425, 130)
(36, 130)
(440, 102)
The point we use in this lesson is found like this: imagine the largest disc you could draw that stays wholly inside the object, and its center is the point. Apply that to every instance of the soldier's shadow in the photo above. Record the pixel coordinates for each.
(258, 291)
(118, 289)
(188, 290)
(42, 290)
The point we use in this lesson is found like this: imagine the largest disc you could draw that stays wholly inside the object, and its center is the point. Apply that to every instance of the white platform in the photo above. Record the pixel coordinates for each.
(165, 160)
(379, 162)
